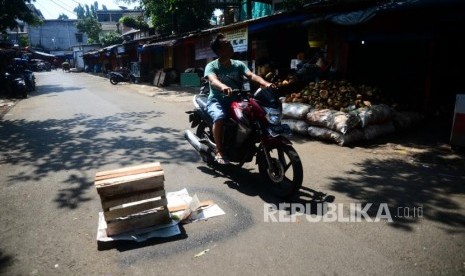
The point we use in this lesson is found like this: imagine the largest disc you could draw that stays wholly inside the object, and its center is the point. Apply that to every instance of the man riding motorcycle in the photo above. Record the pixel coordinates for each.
(225, 75)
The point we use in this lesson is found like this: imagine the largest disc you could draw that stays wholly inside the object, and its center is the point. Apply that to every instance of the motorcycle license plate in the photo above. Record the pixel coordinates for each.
(282, 129)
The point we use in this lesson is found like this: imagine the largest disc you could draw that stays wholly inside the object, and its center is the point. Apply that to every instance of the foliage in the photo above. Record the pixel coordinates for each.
(134, 23)
(128, 21)
(88, 22)
(91, 27)
(13, 10)
(111, 38)
(62, 17)
(177, 15)
(23, 41)
(86, 11)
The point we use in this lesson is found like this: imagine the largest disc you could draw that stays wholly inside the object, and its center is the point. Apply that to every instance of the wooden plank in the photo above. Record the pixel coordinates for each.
(149, 167)
(130, 183)
(109, 202)
(133, 209)
(116, 227)
(185, 206)
(156, 78)
(161, 80)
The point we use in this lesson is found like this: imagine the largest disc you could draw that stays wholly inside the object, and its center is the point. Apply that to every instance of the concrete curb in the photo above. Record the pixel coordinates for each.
(6, 104)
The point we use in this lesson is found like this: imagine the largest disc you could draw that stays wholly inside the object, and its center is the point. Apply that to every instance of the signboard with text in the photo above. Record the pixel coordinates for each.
(237, 37)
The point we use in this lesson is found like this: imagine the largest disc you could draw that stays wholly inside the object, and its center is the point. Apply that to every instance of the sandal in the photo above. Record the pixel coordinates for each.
(221, 160)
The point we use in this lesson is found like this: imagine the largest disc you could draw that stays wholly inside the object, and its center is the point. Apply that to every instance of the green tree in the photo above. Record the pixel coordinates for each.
(63, 17)
(80, 11)
(128, 21)
(13, 10)
(177, 15)
(91, 27)
(88, 22)
(86, 10)
(111, 38)
(23, 41)
(134, 23)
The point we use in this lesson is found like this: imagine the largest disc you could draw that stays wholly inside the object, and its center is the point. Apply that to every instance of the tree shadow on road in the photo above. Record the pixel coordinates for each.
(50, 89)
(83, 144)
(5, 261)
(404, 186)
(417, 168)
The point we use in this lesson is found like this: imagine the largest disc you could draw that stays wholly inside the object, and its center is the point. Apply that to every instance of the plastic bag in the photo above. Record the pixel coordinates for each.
(295, 110)
(335, 120)
(375, 115)
(297, 126)
(350, 137)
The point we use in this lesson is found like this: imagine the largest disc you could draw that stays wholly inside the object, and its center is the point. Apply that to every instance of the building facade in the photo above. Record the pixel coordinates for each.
(56, 35)
(109, 19)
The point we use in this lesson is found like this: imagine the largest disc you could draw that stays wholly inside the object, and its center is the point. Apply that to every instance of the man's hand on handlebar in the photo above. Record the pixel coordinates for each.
(227, 90)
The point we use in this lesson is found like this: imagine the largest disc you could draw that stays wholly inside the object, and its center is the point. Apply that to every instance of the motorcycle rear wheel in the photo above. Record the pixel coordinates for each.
(113, 81)
(286, 174)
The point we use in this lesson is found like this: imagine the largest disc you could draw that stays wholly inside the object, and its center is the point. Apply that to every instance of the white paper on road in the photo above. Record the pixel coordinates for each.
(192, 214)
(206, 213)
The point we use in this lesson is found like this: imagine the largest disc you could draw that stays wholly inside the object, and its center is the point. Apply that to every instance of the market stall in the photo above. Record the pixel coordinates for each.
(343, 113)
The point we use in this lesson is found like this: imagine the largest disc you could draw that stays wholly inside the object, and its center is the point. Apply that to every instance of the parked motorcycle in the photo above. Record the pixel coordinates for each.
(254, 129)
(123, 75)
(21, 68)
(30, 80)
(15, 84)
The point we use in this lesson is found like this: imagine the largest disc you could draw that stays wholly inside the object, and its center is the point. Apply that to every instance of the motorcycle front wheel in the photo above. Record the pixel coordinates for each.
(113, 81)
(285, 174)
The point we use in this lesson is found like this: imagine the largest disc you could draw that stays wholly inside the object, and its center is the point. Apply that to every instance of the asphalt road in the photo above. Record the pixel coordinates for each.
(76, 124)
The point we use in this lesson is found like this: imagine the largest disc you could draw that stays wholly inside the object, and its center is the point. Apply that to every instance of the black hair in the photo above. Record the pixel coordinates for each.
(215, 44)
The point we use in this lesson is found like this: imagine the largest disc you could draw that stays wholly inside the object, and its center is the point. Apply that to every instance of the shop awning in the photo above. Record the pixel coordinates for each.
(94, 52)
(275, 22)
(109, 48)
(41, 54)
(166, 43)
(363, 15)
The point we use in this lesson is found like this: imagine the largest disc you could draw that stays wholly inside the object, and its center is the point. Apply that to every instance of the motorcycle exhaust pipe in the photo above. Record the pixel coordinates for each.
(195, 142)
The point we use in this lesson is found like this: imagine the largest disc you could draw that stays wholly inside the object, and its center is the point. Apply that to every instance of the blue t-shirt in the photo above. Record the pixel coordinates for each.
(231, 76)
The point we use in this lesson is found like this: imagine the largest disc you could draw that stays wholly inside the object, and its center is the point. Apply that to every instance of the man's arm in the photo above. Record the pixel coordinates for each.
(256, 78)
(214, 81)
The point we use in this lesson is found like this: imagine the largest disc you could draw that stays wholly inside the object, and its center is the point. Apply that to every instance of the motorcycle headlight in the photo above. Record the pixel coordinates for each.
(20, 81)
(273, 115)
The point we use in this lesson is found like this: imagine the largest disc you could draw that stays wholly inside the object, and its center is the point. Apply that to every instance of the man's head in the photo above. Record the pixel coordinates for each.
(221, 46)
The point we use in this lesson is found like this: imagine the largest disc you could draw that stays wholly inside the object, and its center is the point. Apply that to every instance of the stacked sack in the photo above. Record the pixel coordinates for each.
(345, 128)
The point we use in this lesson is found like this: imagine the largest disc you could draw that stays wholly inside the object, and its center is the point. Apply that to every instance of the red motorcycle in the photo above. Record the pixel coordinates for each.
(254, 129)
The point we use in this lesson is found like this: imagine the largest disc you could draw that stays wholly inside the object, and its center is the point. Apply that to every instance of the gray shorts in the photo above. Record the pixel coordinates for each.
(218, 109)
